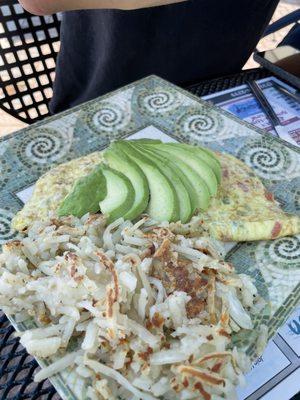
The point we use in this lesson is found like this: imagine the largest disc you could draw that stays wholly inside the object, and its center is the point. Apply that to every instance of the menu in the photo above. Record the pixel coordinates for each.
(275, 375)
(241, 102)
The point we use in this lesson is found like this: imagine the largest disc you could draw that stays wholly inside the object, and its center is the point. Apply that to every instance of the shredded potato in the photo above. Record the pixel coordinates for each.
(152, 306)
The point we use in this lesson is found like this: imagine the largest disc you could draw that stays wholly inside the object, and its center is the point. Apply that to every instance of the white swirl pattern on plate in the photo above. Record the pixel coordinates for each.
(110, 117)
(207, 126)
(270, 160)
(159, 101)
(44, 145)
(199, 124)
(6, 232)
(279, 263)
(296, 197)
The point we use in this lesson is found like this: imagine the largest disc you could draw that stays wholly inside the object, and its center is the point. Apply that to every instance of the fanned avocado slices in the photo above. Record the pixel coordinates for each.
(163, 204)
(120, 194)
(194, 162)
(200, 166)
(170, 181)
(122, 163)
(201, 152)
(185, 208)
(85, 195)
(195, 185)
(204, 154)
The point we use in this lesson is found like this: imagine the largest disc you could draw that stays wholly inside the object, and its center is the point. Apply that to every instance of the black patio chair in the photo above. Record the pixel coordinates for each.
(28, 48)
(293, 36)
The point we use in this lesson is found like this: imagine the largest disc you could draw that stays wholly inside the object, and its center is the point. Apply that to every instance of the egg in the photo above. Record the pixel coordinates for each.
(244, 210)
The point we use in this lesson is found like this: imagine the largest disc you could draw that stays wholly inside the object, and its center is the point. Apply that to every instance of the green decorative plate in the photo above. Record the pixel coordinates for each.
(153, 107)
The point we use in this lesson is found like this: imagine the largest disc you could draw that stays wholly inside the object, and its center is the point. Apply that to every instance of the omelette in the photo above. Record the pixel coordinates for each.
(242, 210)
(52, 187)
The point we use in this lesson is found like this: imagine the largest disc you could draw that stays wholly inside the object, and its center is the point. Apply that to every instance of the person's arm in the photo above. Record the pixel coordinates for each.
(44, 7)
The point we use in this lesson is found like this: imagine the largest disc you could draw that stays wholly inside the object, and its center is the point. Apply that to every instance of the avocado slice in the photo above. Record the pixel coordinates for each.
(195, 185)
(85, 196)
(206, 156)
(196, 163)
(120, 194)
(122, 163)
(185, 208)
(163, 204)
(146, 141)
